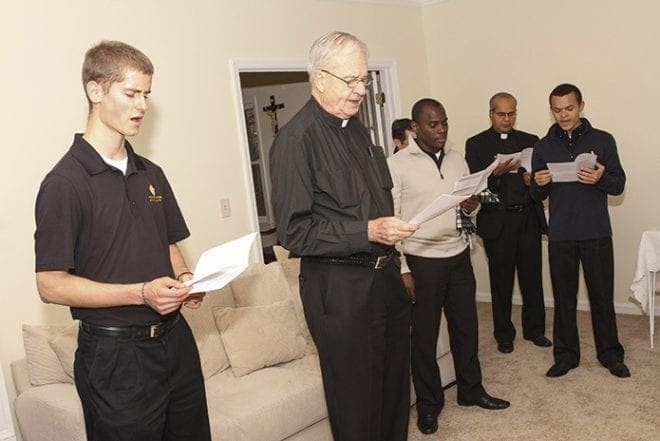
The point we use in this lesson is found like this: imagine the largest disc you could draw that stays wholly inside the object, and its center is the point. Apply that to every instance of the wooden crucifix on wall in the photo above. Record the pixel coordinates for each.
(272, 112)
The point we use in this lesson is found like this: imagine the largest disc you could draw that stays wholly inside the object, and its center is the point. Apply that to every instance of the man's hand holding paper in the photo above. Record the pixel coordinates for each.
(507, 164)
(470, 204)
(591, 176)
(390, 230)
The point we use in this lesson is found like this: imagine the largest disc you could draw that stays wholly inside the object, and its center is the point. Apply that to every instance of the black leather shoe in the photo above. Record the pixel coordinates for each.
(618, 369)
(487, 402)
(559, 369)
(427, 423)
(505, 347)
(541, 341)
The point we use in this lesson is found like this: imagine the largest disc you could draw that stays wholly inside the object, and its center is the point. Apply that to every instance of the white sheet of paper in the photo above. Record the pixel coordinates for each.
(503, 157)
(567, 171)
(442, 203)
(585, 160)
(526, 158)
(463, 189)
(220, 265)
(563, 171)
(474, 183)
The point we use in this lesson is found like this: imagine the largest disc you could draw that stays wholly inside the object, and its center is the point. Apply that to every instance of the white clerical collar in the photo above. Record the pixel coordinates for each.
(344, 123)
(504, 135)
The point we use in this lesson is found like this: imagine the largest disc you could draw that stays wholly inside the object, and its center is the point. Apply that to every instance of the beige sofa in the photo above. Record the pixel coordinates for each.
(261, 368)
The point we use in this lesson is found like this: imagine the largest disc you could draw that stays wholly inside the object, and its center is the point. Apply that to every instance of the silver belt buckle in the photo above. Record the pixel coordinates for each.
(381, 261)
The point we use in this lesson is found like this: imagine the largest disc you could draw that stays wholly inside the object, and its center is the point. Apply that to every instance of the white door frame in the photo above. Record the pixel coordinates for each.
(390, 82)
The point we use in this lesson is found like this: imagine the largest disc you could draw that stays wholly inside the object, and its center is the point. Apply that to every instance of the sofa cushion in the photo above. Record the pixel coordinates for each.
(269, 404)
(260, 284)
(43, 365)
(258, 336)
(212, 355)
(50, 412)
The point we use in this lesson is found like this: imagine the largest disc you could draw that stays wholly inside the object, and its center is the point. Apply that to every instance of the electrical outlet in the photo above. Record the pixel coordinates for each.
(225, 208)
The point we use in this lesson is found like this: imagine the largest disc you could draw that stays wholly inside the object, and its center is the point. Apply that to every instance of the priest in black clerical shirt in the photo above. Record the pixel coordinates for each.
(333, 206)
(511, 228)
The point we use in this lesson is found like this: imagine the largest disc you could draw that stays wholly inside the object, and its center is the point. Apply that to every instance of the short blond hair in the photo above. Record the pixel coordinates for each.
(106, 63)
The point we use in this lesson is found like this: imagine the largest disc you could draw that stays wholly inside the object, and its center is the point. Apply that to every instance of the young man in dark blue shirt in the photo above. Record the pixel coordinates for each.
(579, 230)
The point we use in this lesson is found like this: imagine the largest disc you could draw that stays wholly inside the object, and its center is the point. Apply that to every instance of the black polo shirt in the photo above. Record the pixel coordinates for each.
(99, 224)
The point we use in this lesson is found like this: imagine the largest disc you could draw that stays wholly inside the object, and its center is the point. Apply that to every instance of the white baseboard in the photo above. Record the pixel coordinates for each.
(583, 305)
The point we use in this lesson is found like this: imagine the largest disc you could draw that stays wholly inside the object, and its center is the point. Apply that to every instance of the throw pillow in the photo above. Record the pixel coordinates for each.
(42, 363)
(64, 345)
(260, 284)
(260, 336)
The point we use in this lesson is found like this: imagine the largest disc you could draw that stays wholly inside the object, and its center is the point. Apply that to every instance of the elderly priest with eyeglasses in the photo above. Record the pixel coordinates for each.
(333, 207)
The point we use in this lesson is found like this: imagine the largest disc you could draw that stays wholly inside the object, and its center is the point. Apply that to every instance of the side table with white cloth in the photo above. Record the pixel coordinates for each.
(644, 281)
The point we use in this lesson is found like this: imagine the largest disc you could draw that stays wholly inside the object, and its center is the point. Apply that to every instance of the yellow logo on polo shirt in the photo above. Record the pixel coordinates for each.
(153, 197)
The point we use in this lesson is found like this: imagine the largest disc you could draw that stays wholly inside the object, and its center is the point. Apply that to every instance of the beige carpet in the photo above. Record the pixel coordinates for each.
(586, 404)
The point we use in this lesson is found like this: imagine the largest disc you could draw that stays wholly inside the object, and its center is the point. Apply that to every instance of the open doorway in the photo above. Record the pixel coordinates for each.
(270, 94)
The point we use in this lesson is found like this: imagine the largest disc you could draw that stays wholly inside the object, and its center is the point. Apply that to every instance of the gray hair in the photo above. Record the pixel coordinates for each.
(500, 95)
(328, 45)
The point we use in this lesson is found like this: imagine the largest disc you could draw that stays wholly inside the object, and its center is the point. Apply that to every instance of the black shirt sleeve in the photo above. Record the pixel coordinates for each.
(58, 217)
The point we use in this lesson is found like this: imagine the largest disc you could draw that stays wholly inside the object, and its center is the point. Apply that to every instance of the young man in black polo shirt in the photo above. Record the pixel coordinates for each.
(107, 228)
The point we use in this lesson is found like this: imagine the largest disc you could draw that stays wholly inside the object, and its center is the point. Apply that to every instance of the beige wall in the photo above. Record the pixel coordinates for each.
(192, 128)
(608, 48)
(460, 51)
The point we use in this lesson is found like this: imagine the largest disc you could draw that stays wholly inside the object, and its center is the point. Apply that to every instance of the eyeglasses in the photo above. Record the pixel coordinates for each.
(353, 82)
(503, 114)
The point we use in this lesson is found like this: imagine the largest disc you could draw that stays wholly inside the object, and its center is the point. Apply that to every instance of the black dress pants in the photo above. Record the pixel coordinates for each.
(444, 283)
(148, 389)
(517, 249)
(359, 319)
(597, 260)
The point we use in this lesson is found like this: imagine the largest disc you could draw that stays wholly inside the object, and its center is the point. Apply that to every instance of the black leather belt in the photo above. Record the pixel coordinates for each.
(153, 330)
(368, 260)
(517, 208)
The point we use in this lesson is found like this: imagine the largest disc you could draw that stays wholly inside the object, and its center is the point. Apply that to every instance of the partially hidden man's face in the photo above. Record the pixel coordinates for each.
(432, 127)
(121, 107)
(334, 95)
(503, 115)
(403, 144)
(566, 110)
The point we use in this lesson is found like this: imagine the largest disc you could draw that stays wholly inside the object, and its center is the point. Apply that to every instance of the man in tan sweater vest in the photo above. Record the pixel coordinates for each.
(436, 266)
